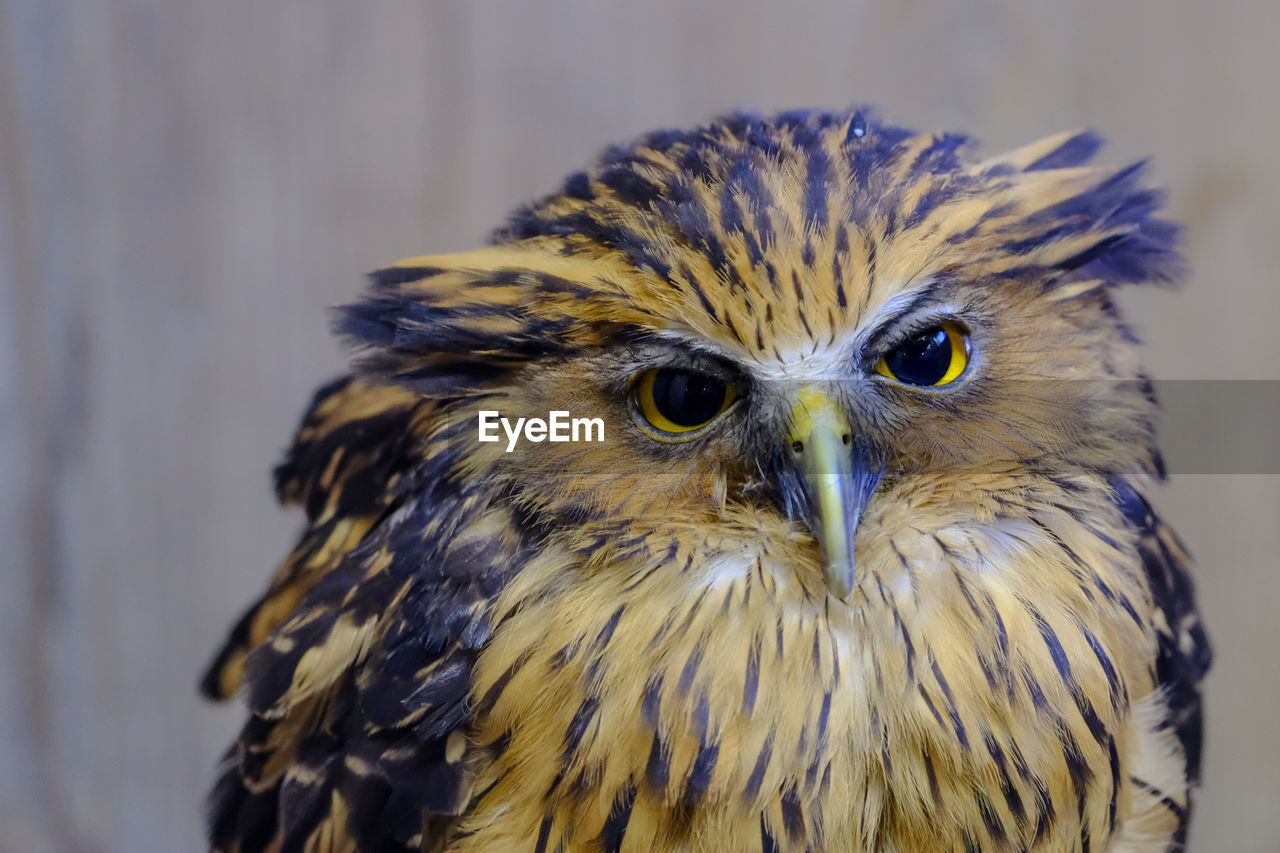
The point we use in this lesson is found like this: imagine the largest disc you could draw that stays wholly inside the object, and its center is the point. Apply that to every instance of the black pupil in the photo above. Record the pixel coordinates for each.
(687, 398)
(922, 359)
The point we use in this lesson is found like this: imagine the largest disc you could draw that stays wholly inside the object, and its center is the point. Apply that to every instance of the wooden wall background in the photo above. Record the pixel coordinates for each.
(185, 186)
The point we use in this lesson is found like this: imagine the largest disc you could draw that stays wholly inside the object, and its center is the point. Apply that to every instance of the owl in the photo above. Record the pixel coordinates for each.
(779, 484)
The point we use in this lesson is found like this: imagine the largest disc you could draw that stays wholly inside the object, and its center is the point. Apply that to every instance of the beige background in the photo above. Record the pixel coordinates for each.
(185, 186)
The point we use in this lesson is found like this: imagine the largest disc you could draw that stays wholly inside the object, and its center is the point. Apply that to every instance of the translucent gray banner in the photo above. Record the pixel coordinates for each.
(1202, 426)
(1219, 426)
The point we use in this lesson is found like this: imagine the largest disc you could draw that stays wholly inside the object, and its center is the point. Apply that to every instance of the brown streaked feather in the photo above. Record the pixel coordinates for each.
(1184, 654)
(347, 468)
(321, 744)
(630, 646)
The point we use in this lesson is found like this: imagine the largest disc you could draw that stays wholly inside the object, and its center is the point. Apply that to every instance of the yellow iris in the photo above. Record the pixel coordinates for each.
(935, 357)
(681, 401)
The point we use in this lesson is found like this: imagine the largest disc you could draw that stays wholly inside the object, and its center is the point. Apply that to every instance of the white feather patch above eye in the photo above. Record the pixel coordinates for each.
(806, 363)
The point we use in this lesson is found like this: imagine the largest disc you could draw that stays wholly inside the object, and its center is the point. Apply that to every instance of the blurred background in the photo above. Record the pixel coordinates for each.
(185, 187)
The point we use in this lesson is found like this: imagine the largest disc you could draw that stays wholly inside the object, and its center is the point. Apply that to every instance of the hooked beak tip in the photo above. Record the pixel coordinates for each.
(840, 579)
(839, 481)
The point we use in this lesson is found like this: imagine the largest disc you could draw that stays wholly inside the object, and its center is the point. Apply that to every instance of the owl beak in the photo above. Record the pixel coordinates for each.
(839, 478)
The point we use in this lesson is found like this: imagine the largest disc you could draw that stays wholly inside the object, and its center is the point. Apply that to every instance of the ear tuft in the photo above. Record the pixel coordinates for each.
(458, 324)
(1074, 149)
(1135, 246)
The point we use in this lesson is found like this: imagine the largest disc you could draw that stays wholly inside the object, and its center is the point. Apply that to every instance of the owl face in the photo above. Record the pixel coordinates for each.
(799, 316)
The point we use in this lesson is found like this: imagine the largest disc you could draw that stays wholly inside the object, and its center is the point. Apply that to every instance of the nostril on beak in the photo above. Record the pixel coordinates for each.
(847, 438)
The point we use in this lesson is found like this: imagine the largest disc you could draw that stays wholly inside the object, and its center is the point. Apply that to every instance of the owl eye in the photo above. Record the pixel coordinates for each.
(674, 401)
(934, 356)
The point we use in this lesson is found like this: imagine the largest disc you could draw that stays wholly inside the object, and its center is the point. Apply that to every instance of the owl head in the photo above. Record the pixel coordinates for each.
(792, 319)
